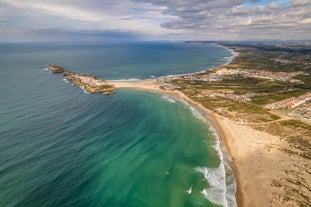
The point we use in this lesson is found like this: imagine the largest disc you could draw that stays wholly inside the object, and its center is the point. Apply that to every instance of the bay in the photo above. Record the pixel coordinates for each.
(62, 147)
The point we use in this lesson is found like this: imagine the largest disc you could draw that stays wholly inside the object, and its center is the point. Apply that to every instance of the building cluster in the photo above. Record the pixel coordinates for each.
(164, 83)
(242, 97)
(290, 103)
(260, 74)
(229, 95)
(303, 112)
(223, 73)
(90, 84)
(208, 78)
(90, 80)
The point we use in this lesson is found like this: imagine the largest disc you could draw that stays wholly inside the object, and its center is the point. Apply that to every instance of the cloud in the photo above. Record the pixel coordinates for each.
(231, 19)
(273, 5)
(301, 2)
(125, 16)
(158, 19)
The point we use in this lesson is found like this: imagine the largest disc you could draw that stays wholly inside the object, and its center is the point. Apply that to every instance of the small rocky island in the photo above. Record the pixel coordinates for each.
(91, 84)
(56, 69)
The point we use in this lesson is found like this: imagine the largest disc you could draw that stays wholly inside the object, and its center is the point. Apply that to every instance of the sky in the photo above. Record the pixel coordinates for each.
(134, 20)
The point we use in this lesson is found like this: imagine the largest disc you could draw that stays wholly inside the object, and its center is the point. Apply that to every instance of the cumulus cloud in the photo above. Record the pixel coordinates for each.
(106, 15)
(273, 5)
(236, 19)
(301, 2)
(160, 19)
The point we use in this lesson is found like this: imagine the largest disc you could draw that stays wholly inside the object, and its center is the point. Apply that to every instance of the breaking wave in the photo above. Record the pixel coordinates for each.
(168, 99)
(84, 91)
(65, 80)
(222, 184)
(195, 112)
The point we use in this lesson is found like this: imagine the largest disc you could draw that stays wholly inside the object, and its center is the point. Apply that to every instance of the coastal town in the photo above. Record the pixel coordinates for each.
(273, 106)
(252, 86)
(290, 103)
(155, 103)
(222, 73)
(302, 113)
(265, 88)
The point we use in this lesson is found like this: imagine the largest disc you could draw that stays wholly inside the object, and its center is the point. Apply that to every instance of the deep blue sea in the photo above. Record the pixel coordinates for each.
(62, 147)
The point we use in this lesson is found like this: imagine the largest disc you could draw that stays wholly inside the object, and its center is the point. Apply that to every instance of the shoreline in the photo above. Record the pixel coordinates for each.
(265, 169)
(234, 54)
(211, 117)
(269, 167)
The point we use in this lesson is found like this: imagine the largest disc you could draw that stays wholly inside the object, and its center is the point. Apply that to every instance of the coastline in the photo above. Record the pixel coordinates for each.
(267, 169)
(211, 117)
(234, 54)
(254, 158)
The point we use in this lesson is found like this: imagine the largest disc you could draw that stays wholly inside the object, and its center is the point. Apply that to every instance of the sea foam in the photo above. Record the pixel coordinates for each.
(46, 69)
(216, 192)
(222, 184)
(189, 191)
(168, 99)
(195, 112)
(65, 80)
(84, 91)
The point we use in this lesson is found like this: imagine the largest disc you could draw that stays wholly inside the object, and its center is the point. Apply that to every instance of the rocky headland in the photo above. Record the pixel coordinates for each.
(56, 69)
(91, 84)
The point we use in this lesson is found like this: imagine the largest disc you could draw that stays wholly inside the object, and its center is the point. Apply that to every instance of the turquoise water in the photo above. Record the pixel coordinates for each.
(62, 147)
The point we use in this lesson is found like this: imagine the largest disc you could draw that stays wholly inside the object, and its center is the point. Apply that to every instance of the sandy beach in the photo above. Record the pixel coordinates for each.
(257, 160)
(217, 121)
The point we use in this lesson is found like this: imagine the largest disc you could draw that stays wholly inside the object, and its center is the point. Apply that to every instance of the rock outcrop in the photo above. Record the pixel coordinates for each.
(91, 84)
(56, 69)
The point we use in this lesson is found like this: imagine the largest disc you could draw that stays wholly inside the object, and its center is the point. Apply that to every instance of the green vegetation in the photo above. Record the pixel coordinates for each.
(298, 125)
(274, 117)
(225, 95)
(307, 81)
(270, 98)
(107, 86)
(272, 57)
(294, 132)
(269, 91)
(222, 94)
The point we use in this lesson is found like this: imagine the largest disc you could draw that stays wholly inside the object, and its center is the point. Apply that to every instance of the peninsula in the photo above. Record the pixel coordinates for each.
(91, 84)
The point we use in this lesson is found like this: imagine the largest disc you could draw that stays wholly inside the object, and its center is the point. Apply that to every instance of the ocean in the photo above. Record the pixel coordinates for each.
(62, 147)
